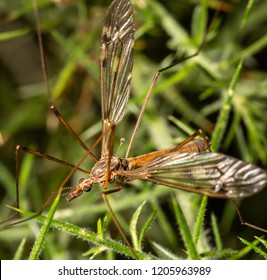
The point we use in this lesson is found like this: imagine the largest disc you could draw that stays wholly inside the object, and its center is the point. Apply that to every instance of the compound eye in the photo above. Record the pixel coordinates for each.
(125, 163)
(81, 180)
(87, 188)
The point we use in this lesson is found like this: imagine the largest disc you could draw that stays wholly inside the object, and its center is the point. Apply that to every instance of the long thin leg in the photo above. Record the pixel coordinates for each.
(191, 138)
(45, 76)
(70, 130)
(20, 148)
(154, 80)
(74, 168)
(243, 222)
(47, 202)
(104, 196)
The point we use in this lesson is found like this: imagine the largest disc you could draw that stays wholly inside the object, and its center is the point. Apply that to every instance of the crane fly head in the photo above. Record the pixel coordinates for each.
(85, 185)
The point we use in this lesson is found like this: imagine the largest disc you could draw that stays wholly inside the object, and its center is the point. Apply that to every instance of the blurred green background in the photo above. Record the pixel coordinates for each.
(186, 97)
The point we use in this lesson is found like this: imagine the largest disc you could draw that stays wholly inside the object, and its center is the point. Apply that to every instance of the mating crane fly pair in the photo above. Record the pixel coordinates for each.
(189, 166)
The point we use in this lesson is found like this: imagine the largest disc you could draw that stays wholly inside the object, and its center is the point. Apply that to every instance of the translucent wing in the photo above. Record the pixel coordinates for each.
(212, 174)
(116, 60)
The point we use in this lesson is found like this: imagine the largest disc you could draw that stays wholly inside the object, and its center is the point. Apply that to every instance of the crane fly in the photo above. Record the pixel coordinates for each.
(189, 166)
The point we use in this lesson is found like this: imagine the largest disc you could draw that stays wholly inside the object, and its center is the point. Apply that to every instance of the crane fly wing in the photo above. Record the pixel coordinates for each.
(116, 61)
(212, 174)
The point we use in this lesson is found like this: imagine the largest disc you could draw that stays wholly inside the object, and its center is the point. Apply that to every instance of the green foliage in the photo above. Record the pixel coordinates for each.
(222, 91)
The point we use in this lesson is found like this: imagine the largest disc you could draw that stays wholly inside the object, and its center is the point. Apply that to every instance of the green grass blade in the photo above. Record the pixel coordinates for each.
(225, 111)
(252, 245)
(86, 235)
(200, 219)
(145, 228)
(133, 226)
(162, 219)
(216, 232)
(40, 241)
(163, 252)
(218, 254)
(19, 252)
(5, 36)
(199, 23)
(242, 253)
(184, 230)
(248, 11)
(263, 241)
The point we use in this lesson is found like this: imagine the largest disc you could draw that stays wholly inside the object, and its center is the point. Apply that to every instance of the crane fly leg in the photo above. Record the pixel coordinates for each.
(243, 222)
(104, 196)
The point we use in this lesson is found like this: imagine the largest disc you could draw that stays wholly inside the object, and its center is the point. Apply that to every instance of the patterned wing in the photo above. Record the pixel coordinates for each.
(116, 60)
(212, 174)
